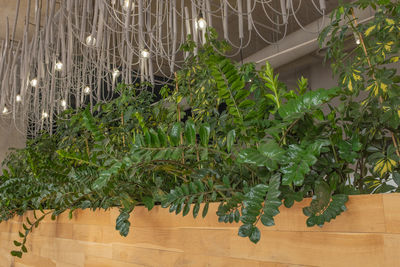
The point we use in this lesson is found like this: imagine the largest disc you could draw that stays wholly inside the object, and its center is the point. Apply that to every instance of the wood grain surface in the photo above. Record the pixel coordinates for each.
(368, 234)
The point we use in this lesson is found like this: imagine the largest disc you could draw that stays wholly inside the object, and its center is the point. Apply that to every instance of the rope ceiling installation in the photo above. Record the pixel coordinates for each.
(80, 47)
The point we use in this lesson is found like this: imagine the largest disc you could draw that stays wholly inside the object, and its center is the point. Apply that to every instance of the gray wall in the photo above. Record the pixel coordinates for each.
(10, 137)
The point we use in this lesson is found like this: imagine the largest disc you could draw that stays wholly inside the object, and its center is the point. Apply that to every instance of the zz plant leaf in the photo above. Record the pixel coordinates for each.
(324, 207)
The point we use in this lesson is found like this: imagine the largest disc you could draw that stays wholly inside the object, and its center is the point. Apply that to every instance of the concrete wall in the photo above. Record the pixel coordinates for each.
(312, 67)
(10, 137)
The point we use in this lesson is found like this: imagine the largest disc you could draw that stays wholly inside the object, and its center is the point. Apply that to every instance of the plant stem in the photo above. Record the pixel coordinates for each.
(122, 123)
(287, 131)
(373, 73)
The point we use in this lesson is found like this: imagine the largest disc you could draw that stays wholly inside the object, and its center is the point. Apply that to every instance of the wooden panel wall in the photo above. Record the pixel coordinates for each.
(368, 234)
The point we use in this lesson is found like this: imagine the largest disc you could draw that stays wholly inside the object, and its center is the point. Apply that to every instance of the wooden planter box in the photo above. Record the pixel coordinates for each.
(368, 234)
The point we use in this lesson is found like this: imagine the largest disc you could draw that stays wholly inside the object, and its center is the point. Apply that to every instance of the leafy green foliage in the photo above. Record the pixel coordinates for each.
(324, 207)
(123, 224)
(272, 201)
(308, 102)
(247, 141)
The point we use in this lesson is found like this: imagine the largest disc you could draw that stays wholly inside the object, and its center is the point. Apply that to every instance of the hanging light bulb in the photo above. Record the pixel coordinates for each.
(63, 103)
(34, 82)
(45, 115)
(59, 65)
(201, 23)
(5, 110)
(86, 90)
(90, 41)
(18, 98)
(125, 5)
(356, 38)
(145, 53)
(115, 73)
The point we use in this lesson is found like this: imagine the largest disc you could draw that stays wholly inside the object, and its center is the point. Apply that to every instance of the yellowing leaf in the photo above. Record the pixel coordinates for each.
(384, 166)
(179, 99)
(388, 46)
(369, 30)
(374, 87)
(350, 86)
(394, 59)
(398, 113)
(369, 87)
(356, 77)
(390, 21)
(384, 87)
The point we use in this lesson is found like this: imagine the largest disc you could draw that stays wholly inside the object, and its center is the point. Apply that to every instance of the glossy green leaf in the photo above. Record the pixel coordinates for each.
(307, 103)
(230, 139)
(175, 134)
(190, 132)
(204, 133)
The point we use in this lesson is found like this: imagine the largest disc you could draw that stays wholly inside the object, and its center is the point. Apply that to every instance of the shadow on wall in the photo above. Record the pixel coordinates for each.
(11, 136)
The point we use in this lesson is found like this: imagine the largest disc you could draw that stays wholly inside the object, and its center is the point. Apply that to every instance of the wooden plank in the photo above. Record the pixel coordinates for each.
(365, 214)
(359, 237)
(391, 204)
(155, 257)
(392, 245)
(95, 261)
(30, 259)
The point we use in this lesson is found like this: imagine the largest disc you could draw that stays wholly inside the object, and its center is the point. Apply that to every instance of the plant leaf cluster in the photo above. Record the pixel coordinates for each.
(226, 133)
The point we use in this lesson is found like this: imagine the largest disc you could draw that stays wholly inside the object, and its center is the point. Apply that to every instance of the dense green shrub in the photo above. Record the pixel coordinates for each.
(247, 141)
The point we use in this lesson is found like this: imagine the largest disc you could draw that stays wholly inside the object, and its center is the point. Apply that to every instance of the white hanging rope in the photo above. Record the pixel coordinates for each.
(83, 48)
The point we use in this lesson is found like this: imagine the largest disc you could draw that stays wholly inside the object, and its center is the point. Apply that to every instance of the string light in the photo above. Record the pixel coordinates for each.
(126, 4)
(63, 103)
(5, 110)
(201, 23)
(18, 98)
(90, 41)
(59, 66)
(34, 82)
(145, 53)
(86, 90)
(45, 115)
(162, 58)
(356, 38)
(115, 73)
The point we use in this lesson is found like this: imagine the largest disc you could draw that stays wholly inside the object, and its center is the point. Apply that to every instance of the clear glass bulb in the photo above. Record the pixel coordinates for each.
(18, 98)
(59, 65)
(125, 5)
(201, 23)
(45, 115)
(5, 110)
(63, 103)
(357, 38)
(34, 82)
(145, 53)
(86, 90)
(115, 73)
(90, 41)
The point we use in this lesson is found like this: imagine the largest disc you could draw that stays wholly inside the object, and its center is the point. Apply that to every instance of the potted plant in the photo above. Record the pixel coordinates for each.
(247, 141)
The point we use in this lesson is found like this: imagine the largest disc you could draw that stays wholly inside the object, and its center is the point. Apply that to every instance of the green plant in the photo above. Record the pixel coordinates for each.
(247, 142)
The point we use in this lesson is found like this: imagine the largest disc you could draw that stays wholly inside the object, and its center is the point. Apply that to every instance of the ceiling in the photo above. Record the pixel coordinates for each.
(306, 14)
